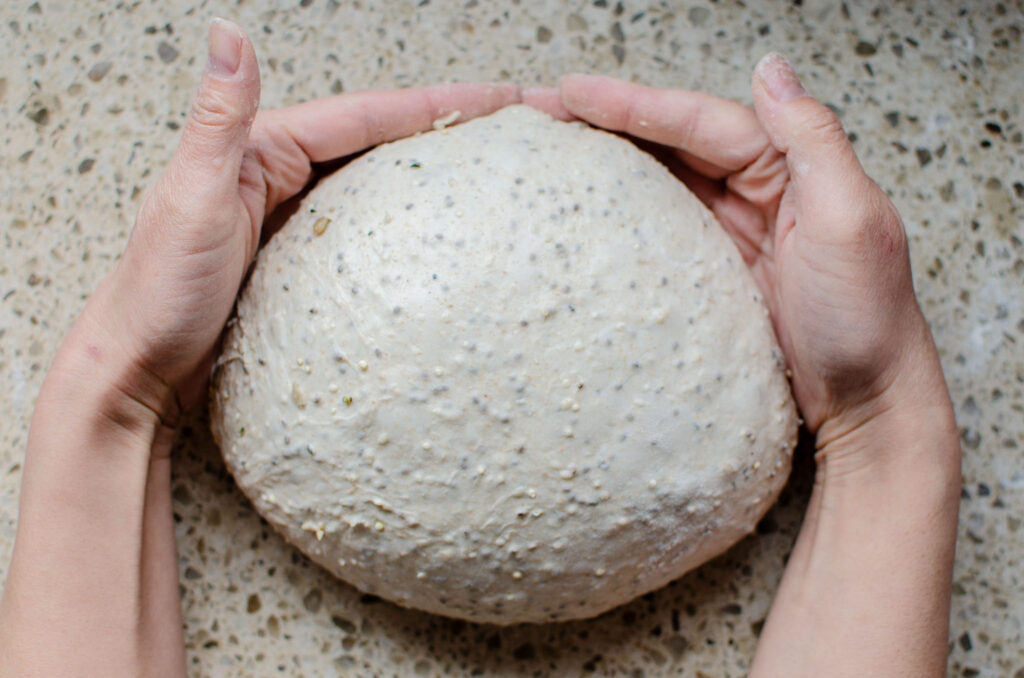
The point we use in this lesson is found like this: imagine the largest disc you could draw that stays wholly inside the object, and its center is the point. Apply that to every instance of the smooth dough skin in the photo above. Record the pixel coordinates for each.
(509, 371)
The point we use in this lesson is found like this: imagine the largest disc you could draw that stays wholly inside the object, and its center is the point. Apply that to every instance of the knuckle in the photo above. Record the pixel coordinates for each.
(826, 126)
(867, 218)
(209, 109)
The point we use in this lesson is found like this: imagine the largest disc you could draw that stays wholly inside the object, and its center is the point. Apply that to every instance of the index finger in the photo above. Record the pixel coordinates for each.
(288, 140)
(340, 125)
(715, 136)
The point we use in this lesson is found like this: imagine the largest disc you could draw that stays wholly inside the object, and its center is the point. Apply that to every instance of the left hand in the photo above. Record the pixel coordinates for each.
(820, 238)
(166, 302)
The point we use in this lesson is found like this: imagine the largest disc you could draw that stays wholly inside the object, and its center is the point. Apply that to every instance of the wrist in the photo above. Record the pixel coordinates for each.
(910, 424)
(98, 371)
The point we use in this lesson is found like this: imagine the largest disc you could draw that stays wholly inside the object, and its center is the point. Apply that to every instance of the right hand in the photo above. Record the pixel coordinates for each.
(822, 240)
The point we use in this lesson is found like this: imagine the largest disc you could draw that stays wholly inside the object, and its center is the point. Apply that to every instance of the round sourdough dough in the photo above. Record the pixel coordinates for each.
(509, 371)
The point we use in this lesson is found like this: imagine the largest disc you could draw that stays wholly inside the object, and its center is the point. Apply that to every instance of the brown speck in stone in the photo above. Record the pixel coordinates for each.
(40, 116)
(677, 645)
(947, 191)
(924, 156)
(343, 624)
(86, 165)
(864, 49)
(312, 600)
(698, 15)
(181, 495)
(574, 22)
(993, 127)
(893, 118)
(33, 280)
(166, 52)
(320, 226)
(970, 438)
(965, 642)
(619, 52)
(97, 72)
(34, 8)
(253, 605)
(525, 652)
(192, 573)
(616, 33)
(337, 87)
(1018, 189)
(544, 34)
(764, 29)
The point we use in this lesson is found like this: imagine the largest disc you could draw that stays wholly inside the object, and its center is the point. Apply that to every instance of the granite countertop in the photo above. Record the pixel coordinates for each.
(92, 99)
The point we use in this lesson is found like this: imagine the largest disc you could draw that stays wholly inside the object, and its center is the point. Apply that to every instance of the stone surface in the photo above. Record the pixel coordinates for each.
(931, 94)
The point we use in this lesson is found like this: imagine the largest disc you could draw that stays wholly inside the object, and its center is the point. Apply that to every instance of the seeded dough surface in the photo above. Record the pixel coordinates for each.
(508, 371)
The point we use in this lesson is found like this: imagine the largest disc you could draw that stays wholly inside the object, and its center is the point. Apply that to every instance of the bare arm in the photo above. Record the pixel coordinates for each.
(866, 590)
(93, 584)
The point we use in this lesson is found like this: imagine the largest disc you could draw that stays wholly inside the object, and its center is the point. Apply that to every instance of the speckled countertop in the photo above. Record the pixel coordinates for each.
(92, 97)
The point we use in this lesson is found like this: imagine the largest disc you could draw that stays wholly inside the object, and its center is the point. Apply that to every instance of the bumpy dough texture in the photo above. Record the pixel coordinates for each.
(521, 375)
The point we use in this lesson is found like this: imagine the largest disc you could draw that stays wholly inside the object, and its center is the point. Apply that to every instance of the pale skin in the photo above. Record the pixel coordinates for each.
(92, 587)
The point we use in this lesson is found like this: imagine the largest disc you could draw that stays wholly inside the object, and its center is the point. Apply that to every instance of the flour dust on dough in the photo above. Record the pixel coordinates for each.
(507, 371)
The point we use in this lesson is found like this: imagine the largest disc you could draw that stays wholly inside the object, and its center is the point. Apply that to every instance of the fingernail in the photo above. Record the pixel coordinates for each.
(225, 48)
(779, 78)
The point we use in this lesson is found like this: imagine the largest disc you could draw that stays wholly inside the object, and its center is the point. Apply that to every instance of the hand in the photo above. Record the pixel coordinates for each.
(97, 466)
(821, 239)
(198, 229)
(866, 588)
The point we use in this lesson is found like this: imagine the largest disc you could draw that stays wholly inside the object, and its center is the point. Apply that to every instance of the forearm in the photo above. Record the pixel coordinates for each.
(94, 555)
(866, 590)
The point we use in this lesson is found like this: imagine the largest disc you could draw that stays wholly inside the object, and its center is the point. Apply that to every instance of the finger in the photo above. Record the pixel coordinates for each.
(822, 164)
(287, 140)
(549, 100)
(215, 136)
(743, 221)
(722, 133)
(329, 128)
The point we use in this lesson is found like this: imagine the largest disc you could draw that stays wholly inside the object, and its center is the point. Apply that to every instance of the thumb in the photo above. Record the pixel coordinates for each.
(215, 136)
(822, 164)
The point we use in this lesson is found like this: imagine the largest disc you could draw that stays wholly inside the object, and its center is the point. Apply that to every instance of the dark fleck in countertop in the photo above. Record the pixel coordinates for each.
(92, 99)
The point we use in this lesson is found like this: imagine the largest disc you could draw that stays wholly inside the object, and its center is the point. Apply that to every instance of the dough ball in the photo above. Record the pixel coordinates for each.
(509, 371)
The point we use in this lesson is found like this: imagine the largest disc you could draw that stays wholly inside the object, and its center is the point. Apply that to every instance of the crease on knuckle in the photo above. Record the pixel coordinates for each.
(688, 127)
(284, 162)
(827, 126)
(210, 110)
